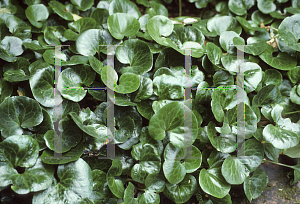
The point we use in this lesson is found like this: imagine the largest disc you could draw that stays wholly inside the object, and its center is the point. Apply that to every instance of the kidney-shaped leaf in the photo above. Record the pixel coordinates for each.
(37, 13)
(171, 118)
(254, 185)
(122, 24)
(36, 178)
(182, 192)
(18, 113)
(137, 54)
(212, 182)
(289, 31)
(19, 151)
(73, 79)
(75, 183)
(149, 161)
(283, 61)
(128, 82)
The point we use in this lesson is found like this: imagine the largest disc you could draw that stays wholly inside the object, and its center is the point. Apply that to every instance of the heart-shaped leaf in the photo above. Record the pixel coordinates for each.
(18, 113)
(75, 183)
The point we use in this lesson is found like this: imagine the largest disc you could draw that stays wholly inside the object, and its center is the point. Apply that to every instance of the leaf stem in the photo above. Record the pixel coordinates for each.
(292, 112)
(180, 9)
(278, 163)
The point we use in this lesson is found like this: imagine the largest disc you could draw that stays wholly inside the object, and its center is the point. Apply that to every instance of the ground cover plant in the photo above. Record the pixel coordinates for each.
(150, 103)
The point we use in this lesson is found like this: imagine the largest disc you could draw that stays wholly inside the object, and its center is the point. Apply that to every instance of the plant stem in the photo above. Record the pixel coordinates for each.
(277, 163)
(180, 8)
(292, 112)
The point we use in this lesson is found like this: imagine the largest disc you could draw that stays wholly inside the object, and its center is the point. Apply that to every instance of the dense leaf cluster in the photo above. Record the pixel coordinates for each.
(150, 102)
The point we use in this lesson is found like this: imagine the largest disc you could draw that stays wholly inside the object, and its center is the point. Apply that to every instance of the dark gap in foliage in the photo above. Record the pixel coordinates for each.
(275, 54)
(20, 170)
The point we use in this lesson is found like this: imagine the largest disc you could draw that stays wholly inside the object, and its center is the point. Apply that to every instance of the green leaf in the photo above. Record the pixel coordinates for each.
(122, 24)
(145, 109)
(6, 90)
(225, 143)
(61, 10)
(129, 194)
(70, 136)
(240, 7)
(41, 84)
(100, 192)
(254, 185)
(98, 131)
(266, 6)
(74, 154)
(182, 192)
(253, 76)
(100, 15)
(279, 137)
(124, 6)
(155, 183)
(289, 31)
(17, 71)
(173, 122)
(54, 34)
(83, 5)
(293, 152)
(214, 53)
(83, 24)
(283, 61)
(226, 41)
(272, 76)
(212, 182)
(36, 14)
(115, 185)
(36, 178)
(128, 82)
(294, 75)
(258, 17)
(145, 90)
(18, 27)
(219, 24)
(160, 27)
(75, 183)
(18, 113)
(267, 95)
(137, 54)
(157, 9)
(175, 169)
(149, 161)
(295, 94)
(236, 169)
(257, 47)
(12, 46)
(95, 64)
(88, 42)
(19, 151)
(73, 79)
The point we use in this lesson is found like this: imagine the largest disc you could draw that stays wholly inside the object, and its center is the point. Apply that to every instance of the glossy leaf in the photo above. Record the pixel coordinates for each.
(18, 113)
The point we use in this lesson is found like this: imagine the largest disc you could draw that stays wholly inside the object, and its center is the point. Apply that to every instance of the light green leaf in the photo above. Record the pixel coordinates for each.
(128, 82)
(36, 14)
(124, 6)
(83, 5)
(137, 54)
(289, 31)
